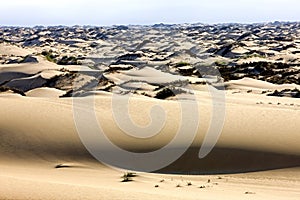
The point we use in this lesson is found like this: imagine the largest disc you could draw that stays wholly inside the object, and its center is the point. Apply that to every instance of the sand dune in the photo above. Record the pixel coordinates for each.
(58, 136)
(248, 84)
(45, 92)
(164, 78)
(54, 141)
(9, 50)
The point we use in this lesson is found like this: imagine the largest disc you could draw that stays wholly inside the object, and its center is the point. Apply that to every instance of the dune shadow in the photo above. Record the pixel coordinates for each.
(228, 161)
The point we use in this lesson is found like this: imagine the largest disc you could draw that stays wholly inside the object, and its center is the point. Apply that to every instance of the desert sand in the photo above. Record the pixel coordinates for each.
(42, 155)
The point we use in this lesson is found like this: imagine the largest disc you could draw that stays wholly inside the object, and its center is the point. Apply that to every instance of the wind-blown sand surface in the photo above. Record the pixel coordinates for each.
(42, 155)
(28, 158)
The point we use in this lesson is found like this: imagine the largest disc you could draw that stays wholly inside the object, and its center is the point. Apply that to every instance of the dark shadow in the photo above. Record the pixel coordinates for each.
(225, 161)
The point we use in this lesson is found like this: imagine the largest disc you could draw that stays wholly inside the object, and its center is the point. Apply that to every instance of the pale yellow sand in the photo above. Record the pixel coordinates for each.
(10, 50)
(45, 92)
(38, 134)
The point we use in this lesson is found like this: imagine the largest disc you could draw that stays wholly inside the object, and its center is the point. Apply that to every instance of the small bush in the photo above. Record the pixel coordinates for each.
(182, 64)
(165, 93)
(65, 60)
(129, 174)
(127, 177)
(220, 63)
(49, 56)
(249, 192)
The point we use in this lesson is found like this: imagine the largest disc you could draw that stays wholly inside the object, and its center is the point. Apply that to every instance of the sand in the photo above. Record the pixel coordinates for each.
(43, 155)
(28, 158)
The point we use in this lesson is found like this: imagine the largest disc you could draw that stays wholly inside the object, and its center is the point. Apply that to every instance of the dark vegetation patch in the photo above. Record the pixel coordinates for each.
(169, 92)
(130, 56)
(295, 93)
(277, 73)
(69, 60)
(50, 56)
(128, 177)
